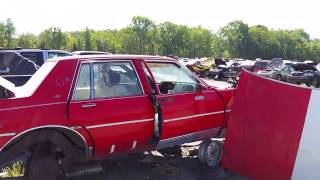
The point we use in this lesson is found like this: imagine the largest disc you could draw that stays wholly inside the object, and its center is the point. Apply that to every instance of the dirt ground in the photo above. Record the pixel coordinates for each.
(156, 166)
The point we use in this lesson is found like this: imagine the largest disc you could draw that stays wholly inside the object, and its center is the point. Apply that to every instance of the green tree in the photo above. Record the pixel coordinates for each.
(237, 39)
(129, 41)
(88, 39)
(141, 26)
(217, 44)
(52, 38)
(201, 42)
(2, 33)
(174, 39)
(9, 32)
(27, 41)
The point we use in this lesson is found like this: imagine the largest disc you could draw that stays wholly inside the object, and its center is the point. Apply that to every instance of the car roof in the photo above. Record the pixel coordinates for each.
(34, 50)
(114, 57)
(89, 52)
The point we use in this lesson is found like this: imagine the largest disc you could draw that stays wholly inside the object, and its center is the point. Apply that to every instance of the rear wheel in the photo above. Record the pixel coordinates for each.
(210, 153)
(39, 168)
(43, 163)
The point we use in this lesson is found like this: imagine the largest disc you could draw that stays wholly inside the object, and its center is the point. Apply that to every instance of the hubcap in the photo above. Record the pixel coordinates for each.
(213, 153)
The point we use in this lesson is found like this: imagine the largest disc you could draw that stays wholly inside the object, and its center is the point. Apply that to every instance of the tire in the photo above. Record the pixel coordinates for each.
(210, 153)
(43, 164)
(279, 77)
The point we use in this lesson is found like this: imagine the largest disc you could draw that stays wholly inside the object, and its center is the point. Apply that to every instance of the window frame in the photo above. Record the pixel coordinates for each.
(92, 97)
(77, 79)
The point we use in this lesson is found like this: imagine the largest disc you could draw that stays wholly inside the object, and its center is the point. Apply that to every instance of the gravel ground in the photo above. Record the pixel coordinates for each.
(155, 166)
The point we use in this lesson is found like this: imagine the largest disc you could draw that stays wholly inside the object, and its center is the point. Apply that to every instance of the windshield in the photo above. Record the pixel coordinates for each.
(39, 76)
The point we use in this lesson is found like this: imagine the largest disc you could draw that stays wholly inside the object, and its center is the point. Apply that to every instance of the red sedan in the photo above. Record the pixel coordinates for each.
(77, 108)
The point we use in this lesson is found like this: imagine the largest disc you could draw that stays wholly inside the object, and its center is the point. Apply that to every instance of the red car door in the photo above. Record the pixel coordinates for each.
(109, 101)
(190, 111)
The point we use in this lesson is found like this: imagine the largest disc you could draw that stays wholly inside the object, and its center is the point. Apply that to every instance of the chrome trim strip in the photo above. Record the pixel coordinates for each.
(113, 147)
(15, 75)
(106, 99)
(193, 116)
(75, 127)
(118, 123)
(37, 105)
(134, 144)
(7, 134)
(91, 81)
(192, 137)
(41, 127)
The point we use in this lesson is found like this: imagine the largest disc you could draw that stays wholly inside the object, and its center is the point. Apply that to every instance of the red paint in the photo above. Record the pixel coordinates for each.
(264, 128)
(51, 104)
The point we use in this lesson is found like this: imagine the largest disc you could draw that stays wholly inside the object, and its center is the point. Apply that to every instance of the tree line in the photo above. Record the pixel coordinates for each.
(143, 36)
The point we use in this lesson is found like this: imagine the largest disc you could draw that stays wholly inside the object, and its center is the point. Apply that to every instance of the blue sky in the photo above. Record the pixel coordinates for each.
(70, 15)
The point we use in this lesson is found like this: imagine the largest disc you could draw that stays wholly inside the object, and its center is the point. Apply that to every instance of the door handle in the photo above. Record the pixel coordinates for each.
(168, 99)
(163, 99)
(89, 105)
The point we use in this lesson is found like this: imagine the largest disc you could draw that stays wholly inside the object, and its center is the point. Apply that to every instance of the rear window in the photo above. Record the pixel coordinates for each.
(54, 54)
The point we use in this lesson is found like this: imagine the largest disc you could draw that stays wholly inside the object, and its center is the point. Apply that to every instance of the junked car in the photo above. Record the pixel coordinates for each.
(16, 68)
(260, 65)
(273, 68)
(17, 65)
(295, 73)
(80, 108)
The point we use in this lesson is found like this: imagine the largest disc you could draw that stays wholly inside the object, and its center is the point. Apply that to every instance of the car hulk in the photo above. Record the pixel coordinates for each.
(81, 108)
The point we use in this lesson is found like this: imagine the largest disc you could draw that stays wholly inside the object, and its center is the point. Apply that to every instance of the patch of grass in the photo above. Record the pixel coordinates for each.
(15, 170)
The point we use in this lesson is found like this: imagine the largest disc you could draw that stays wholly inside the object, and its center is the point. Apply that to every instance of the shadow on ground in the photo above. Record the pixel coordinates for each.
(155, 166)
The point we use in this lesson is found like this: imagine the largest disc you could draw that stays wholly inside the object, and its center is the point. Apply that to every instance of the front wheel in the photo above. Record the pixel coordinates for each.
(210, 152)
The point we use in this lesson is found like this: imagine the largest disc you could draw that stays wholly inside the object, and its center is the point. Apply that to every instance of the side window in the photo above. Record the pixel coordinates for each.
(173, 79)
(292, 69)
(82, 90)
(115, 79)
(36, 57)
(286, 69)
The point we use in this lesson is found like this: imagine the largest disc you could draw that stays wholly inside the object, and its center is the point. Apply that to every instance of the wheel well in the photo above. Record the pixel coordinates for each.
(68, 141)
